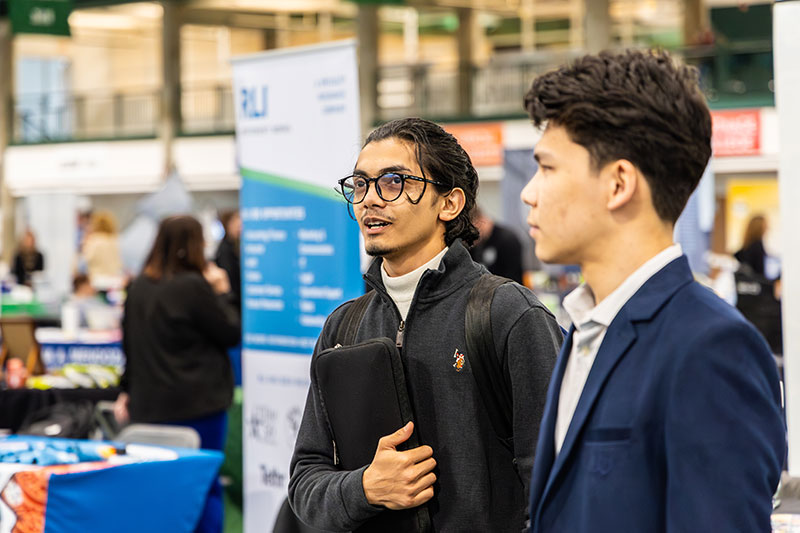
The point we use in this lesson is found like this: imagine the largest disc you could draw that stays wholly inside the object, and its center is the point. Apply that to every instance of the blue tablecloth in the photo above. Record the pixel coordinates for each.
(154, 496)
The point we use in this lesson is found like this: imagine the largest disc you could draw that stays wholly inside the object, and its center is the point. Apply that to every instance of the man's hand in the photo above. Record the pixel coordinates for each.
(399, 480)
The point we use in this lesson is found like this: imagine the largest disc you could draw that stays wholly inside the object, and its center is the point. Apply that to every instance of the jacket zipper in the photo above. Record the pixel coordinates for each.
(401, 328)
(400, 333)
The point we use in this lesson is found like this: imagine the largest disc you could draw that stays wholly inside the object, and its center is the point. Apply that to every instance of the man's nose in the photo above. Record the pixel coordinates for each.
(529, 194)
(372, 197)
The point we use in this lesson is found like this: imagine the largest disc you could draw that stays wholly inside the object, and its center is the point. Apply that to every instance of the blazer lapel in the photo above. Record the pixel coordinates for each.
(619, 337)
(545, 445)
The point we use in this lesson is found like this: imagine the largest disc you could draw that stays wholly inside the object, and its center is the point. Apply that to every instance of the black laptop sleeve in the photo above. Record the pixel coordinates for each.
(364, 396)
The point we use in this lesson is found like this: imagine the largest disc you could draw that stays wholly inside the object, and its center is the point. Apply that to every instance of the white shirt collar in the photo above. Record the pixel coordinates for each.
(401, 288)
(580, 305)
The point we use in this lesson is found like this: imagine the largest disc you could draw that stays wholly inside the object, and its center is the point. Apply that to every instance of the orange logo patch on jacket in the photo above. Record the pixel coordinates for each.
(459, 364)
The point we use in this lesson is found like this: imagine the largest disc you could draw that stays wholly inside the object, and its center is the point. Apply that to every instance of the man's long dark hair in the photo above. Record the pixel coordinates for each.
(441, 158)
(178, 248)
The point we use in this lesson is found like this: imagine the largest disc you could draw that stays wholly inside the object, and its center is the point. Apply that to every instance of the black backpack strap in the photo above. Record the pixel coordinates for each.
(346, 334)
(491, 380)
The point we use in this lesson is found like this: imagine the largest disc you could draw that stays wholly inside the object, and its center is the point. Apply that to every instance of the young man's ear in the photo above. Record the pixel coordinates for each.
(452, 204)
(623, 181)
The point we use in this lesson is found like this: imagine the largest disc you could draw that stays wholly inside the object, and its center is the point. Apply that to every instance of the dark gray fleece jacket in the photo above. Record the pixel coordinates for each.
(478, 486)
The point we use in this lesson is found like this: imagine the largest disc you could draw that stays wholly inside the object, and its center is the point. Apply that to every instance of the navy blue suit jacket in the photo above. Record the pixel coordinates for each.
(679, 426)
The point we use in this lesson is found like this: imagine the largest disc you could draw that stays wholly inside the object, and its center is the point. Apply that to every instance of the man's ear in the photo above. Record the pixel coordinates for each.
(623, 181)
(452, 204)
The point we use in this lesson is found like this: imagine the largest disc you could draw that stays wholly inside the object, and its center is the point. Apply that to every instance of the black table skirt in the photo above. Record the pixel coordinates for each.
(16, 404)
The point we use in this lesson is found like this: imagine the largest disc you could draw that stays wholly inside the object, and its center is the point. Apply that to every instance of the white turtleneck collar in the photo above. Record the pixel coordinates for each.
(401, 288)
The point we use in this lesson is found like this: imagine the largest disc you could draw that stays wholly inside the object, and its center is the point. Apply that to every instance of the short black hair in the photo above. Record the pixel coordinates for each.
(634, 105)
(441, 158)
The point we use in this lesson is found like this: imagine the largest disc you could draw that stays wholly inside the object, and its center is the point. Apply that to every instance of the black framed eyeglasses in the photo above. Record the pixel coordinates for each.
(389, 187)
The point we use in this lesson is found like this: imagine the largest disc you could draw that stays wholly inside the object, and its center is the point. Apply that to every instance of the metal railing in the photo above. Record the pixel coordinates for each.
(207, 109)
(731, 76)
(54, 117)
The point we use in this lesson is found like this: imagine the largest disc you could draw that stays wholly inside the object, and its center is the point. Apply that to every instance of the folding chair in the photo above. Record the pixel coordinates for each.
(155, 434)
(19, 341)
(159, 435)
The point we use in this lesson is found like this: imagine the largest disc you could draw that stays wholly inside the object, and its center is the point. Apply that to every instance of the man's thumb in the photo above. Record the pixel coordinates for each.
(399, 436)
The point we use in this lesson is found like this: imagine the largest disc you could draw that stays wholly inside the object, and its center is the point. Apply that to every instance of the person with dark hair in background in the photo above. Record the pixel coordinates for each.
(176, 328)
(228, 252)
(497, 247)
(28, 259)
(664, 411)
(752, 252)
(412, 191)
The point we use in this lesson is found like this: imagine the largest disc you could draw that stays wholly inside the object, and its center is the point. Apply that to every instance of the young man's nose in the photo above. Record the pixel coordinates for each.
(529, 194)
(372, 197)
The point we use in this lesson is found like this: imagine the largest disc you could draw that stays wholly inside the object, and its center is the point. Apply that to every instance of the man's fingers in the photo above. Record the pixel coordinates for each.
(423, 496)
(424, 467)
(398, 437)
(423, 483)
(417, 455)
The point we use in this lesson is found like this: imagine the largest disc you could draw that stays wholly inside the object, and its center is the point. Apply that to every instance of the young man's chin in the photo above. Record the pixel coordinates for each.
(548, 256)
(376, 250)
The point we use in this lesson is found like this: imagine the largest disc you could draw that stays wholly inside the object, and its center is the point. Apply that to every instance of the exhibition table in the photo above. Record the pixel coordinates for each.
(153, 489)
(85, 348)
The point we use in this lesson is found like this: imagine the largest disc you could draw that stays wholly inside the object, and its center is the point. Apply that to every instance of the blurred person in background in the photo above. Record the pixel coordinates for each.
(28, 259)
(101, 252)
(86, 301)
(228, 252)
(177, 324)
(497, 248)
(757, 295)
(753, 253)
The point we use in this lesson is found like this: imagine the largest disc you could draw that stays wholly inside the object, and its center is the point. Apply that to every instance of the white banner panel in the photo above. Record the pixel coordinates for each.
(786, 18)
(271, 419)
(297, 132)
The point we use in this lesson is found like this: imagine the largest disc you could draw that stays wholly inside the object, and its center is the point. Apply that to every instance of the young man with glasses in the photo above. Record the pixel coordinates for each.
(664, 413)
(411, 192)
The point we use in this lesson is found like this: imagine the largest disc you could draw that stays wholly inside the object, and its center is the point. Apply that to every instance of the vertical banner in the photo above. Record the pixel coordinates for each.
(297, 132)
(786, 46)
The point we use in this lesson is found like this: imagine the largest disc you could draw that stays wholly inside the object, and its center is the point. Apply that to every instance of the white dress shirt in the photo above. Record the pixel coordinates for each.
(591, 323)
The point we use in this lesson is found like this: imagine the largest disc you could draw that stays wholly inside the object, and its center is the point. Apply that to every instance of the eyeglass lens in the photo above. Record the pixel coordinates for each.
(389, 187)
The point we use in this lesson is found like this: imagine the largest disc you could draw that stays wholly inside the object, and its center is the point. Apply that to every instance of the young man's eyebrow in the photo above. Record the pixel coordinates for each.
(393, 168)
(540, 154)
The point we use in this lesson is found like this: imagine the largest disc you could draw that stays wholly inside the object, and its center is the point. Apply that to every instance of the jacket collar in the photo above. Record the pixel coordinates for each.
(643, 306)
(455, 270)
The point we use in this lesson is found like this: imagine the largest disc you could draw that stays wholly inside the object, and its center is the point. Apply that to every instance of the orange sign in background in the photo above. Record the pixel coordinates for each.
(736, 132)
(483, 141)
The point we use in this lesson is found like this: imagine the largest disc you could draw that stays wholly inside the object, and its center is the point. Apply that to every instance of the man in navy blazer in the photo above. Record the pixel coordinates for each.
(664, 410)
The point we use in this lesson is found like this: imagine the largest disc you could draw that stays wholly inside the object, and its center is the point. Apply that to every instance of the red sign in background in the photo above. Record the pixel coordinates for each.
(736, 132)
(483, 141)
